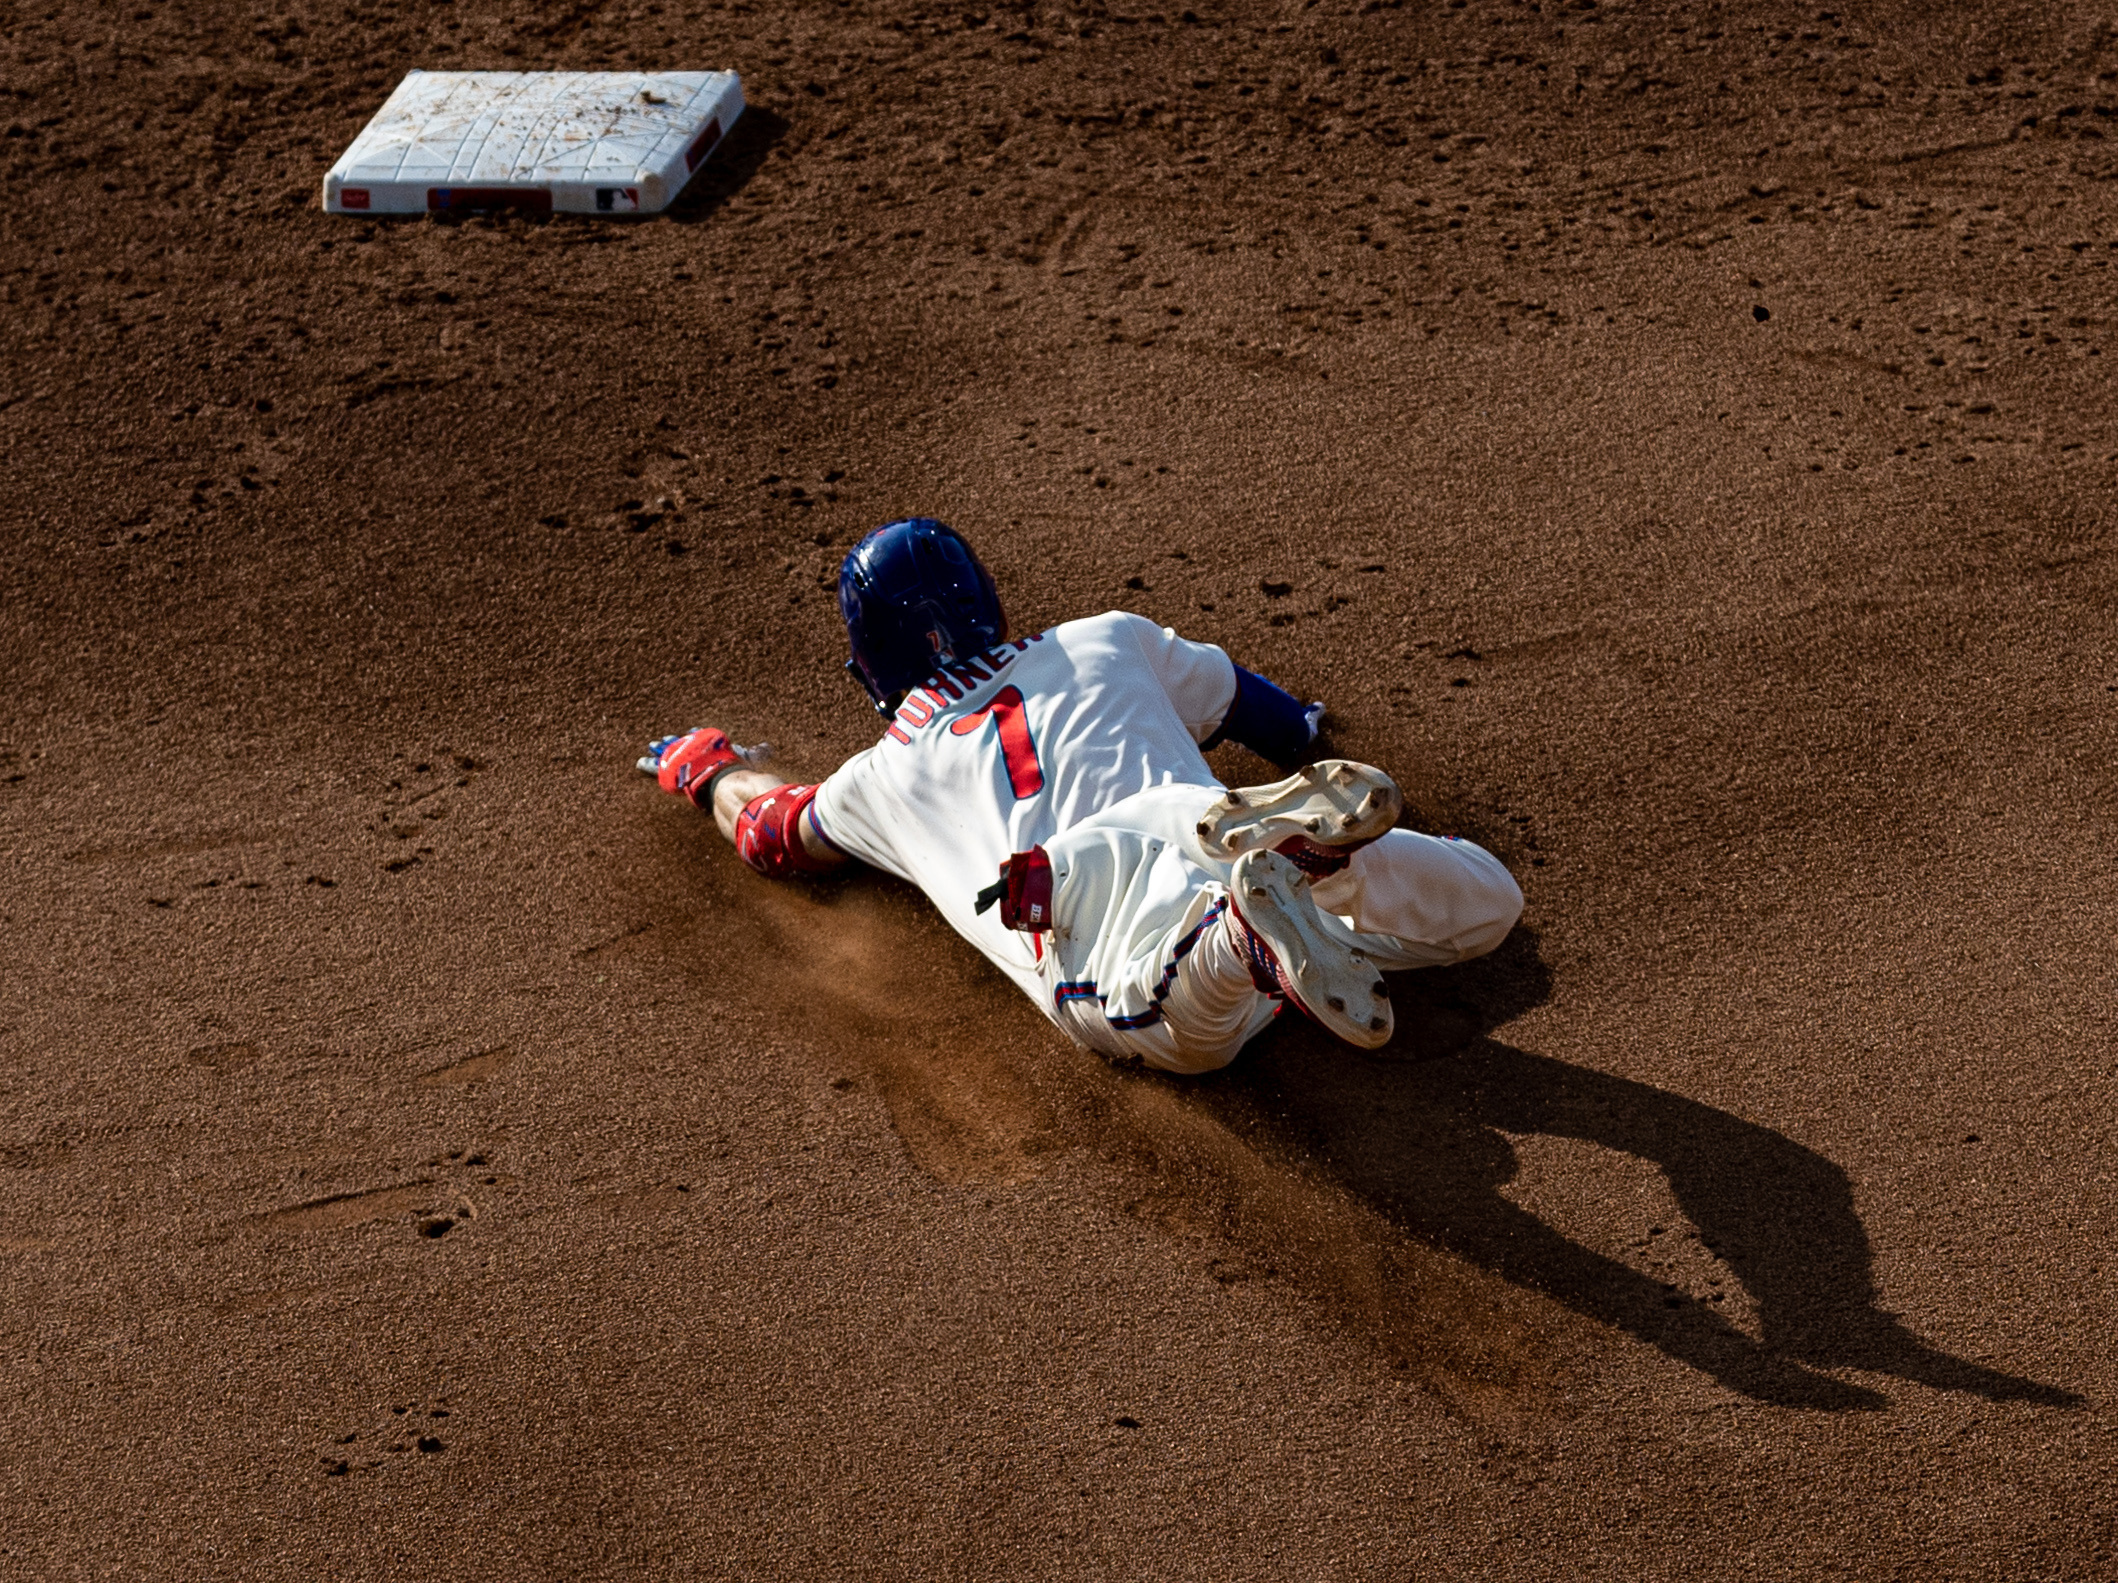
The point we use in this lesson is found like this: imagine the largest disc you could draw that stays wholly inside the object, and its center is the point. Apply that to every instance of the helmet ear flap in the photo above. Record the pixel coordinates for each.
(865, 685)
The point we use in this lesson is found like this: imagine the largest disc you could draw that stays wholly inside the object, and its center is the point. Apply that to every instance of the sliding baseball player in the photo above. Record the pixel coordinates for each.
(1051, 796)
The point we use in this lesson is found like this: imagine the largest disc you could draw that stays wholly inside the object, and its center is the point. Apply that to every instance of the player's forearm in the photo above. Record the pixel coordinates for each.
(768, 820)
(733, 789)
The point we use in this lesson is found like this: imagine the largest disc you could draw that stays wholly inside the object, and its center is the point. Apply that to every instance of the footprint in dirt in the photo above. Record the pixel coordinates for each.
(408, 1434)
(433, 1205)
(420, 795)
(222, 1057)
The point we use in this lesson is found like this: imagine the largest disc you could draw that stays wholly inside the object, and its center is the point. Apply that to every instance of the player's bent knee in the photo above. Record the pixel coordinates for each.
(1192, 1061)
(1503, 910)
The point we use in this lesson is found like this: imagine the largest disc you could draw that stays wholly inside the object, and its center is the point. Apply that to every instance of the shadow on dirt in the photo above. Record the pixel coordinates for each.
(1373, 1183)
(733, 164)
(1423, 1140)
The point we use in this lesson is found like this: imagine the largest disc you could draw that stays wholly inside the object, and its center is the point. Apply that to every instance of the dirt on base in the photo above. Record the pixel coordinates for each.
(1675, 439)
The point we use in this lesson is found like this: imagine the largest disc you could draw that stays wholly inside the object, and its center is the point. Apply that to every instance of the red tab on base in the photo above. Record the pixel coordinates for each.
(702, 145)
(535, 200)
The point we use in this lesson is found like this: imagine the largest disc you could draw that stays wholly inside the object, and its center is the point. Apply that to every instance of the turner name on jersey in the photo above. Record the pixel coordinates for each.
(1013, 746)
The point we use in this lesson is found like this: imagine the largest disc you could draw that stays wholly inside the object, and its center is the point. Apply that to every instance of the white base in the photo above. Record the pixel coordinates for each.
(571, 142)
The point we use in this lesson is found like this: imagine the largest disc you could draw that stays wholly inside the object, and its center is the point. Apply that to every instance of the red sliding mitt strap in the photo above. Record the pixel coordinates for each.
(1316, 860)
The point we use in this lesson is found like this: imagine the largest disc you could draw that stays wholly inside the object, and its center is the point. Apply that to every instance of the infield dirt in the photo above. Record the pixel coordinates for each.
(1676, 440)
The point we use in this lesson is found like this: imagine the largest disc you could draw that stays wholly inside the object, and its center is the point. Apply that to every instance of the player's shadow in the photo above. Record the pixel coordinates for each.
(1421, 1138)
(741, 154)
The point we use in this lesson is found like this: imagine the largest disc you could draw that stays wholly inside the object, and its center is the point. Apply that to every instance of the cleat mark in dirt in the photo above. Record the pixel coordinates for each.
(1032, 248)
(222, 1057)
(1079, 229)
(619, 941)
(563, 29)
(472, 1068)
(34, 1156)
(170, 846)
(350, 1209)
(1059, 240)
(424, 794)
(410, 1431)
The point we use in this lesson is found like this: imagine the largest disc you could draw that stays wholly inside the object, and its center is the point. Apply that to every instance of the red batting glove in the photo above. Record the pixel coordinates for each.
(687, 765)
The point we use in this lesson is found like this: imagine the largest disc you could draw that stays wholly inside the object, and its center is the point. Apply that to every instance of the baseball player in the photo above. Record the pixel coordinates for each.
(1051, 796)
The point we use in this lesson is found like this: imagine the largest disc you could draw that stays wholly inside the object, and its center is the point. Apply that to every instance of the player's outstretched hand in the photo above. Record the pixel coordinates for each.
(687, 763)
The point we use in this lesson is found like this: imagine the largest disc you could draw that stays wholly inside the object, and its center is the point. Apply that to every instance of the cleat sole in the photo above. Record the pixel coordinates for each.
(1326, 977)
(1334, 803)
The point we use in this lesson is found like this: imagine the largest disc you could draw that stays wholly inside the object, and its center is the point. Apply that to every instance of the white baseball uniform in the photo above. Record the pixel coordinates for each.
(1084, 740)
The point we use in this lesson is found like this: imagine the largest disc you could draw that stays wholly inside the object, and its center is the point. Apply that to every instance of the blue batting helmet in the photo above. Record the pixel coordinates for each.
(914, 596)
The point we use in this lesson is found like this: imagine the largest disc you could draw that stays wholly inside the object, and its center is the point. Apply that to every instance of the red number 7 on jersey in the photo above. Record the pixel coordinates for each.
(1025, 774)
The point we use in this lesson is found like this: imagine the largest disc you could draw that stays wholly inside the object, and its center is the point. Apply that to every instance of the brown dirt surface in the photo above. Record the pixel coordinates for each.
(1675, 438)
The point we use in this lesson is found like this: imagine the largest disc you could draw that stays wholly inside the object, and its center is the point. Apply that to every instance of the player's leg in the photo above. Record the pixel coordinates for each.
(1416, 900)
(1422, 901)
(1138, 962)
(1165, 953)
(1200, 1000)
(1179, 959)
(1215, 974)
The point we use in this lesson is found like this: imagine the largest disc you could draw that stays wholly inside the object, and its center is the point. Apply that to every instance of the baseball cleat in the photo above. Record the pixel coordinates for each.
(1327, 977)
(1313, 817)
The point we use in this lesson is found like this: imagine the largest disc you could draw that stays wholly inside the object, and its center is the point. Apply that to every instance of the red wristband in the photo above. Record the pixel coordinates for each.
(768, 833)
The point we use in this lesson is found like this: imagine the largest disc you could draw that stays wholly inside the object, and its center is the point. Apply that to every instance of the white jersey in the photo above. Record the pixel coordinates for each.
(1010, 749)
(1085, 740)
